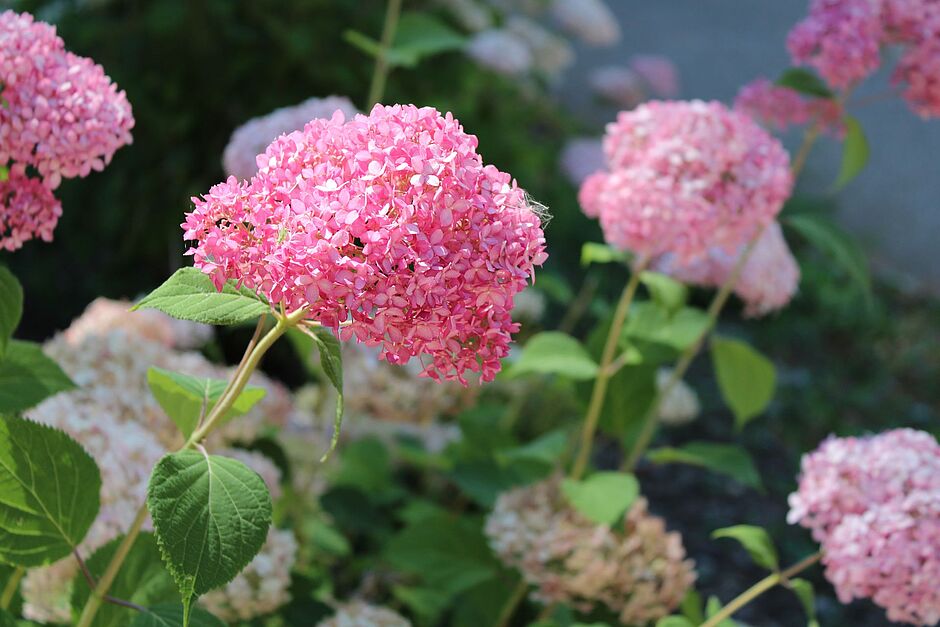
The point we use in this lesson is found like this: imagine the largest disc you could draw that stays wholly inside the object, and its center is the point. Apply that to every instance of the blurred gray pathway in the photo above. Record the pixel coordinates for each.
(718, 45)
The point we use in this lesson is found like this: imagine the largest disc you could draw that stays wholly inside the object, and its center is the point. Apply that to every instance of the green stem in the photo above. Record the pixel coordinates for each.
(380, 74)
(13, 584)
(239, 380)
(759, 588)
(604, 372)
(505, 615)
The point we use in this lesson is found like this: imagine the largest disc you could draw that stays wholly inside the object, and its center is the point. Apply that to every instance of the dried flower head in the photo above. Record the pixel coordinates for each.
(389, 224)
(361, 614)
(637, 569)
(251, 138)
(684, 177)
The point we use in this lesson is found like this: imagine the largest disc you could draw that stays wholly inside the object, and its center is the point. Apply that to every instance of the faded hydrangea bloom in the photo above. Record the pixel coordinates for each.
(873, 504)
(590, 20)
(551, 54)
(361, 614)
(635, 568)
(251, 138)
(686, 177)
(681, 405)
(767, 283)
(473, 15)
(501, 51)
(387, 228)
(104, 315)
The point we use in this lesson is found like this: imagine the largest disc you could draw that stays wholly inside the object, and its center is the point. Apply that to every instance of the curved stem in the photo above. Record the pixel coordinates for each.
(759, 588)
(100, 590)
(380, 74)
(257, 349)
(13, 584)
(688, 356)
(505, 615)
(604, 372)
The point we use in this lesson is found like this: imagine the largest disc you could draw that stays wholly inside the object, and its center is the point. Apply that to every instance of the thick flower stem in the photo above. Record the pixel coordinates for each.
(604, 372)
(257, 349)
(759, 588)
(13, 583)
(688, 355)
(380, 74)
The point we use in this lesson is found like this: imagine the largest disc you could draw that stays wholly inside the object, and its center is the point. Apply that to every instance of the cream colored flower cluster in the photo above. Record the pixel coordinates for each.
(635, 568)
(361, 614)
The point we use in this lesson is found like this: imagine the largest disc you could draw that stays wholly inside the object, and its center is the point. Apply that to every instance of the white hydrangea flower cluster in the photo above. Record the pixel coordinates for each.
(361, 614)
(114, 417)
(681, 405)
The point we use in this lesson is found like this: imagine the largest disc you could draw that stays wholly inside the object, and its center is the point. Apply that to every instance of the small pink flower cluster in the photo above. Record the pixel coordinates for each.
(874, 505)
(779, 107)
(684, 177)
(842, 39)
(645, 76)
(767, 282)
(62, 118)
(389, 225)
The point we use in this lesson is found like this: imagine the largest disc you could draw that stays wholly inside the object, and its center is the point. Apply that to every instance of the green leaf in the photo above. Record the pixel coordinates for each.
(712, 607)
(171, 615)
(841, 248)
(6, 619)
(674, 621)
(211, 516)
(603, 497)
(331, 360)
(756, 542)
(49, 491)
(592, 252)
(803, 589)
(691, 607)
(666, 291)
(426, 603)
(855, 152)
(142, 579)
(190, 295)
(546, 449)
(186, 399)
(746, 378)
(629, 394)
(650, 322)
(445, 552)
(11, 307)
(27, 377)
(727, 459)
(805, 82)
(420, 35)
(557, 353)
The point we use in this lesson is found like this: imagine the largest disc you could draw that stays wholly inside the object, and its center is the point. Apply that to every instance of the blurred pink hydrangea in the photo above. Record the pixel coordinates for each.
(362, 614)
(251, 138)
(686, 177)
(501, 51)
(840, 38)
(581, 157)
(919, 71)
(389, 224)
(636, 568)
(768, 281)
(64, 116)
(779, 107)
(551, 54)
(590, 20)
(104, 315)
(28, 209)
(873, 504)
(659, 73)
(618, 85)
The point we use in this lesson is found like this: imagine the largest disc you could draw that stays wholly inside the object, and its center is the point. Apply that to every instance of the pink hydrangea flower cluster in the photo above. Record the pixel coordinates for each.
(389, 225)
(842, 39)
(685, 177)
(63, 117)
(768, 280)
(28, 209)
(779, 108)
(874, 505)
(250, 139)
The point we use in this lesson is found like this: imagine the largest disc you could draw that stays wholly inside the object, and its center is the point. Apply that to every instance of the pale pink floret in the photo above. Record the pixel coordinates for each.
(27, 210)
(840, 38)
(64, 116)
(389, 224)
(251, 138)
(919, 71)
(767, 283)
(874, 505)
(685, 177)
(779, 108)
